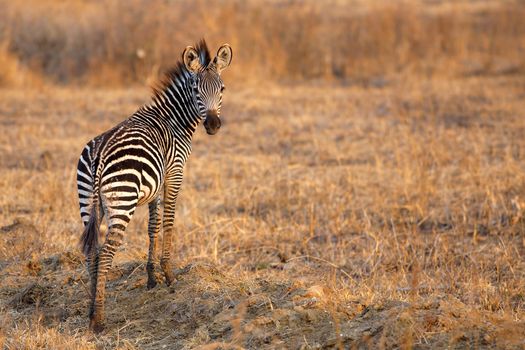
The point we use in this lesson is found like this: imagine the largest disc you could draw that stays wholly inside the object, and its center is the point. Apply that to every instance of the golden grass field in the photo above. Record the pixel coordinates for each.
(371, 211)
(319, 216)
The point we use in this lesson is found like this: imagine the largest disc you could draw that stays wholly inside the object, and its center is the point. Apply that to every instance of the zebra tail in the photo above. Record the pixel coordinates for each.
(89, 238)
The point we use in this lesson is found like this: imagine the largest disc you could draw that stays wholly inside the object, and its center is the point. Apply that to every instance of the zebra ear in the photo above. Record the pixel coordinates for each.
(190, 57)
(223, 58)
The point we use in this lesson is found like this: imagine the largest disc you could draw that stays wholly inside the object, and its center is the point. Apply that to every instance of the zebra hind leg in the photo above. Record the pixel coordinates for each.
(92, 264)
(153, 232)
(117, 221)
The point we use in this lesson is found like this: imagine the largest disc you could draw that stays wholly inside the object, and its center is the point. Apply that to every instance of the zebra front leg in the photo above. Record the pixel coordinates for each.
(170, 199)
(118, 221)
(153, 231)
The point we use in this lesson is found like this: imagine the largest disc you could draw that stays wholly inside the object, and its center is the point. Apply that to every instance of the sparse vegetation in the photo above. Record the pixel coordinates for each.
(381, 208)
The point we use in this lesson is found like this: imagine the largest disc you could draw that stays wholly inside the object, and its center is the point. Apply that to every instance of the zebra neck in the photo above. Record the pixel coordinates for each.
(176, 106)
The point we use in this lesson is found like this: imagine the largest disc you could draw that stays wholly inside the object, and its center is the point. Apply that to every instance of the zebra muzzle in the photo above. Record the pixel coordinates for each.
(212, 122)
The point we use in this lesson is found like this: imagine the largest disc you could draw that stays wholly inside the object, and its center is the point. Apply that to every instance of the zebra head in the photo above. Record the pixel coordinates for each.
(206, 81)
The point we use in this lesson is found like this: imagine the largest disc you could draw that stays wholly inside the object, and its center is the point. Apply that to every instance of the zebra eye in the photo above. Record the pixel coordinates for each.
(223, 88)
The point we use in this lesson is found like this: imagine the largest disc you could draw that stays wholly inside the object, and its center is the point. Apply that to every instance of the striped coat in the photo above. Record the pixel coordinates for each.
(142, 159)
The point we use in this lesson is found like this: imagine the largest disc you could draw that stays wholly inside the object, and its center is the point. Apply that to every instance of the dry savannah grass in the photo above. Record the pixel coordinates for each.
(374, 201)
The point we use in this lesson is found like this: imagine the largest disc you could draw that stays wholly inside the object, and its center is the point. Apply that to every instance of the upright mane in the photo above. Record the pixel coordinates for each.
(179, 70)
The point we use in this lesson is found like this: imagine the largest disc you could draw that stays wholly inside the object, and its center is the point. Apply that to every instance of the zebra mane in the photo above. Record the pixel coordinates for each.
(179, 72)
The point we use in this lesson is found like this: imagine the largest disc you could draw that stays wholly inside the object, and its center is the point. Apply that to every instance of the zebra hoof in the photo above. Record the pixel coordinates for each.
(169, 280)
(152, 283)
(96, 326)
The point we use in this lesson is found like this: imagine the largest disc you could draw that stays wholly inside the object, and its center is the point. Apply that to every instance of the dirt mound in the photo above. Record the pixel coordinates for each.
(206, 306)
(203, 307)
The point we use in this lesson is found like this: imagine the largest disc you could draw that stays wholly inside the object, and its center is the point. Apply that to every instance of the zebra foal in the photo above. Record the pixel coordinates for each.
(141, 159)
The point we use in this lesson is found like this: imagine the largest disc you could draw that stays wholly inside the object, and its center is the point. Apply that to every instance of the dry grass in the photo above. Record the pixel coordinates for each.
(319, 216)
(376, 199)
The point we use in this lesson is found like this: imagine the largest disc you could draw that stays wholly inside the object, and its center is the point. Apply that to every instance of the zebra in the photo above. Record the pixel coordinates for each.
(142, 159)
